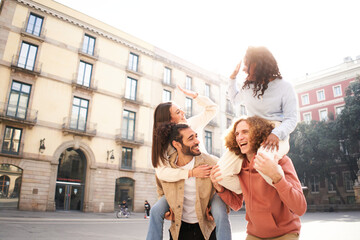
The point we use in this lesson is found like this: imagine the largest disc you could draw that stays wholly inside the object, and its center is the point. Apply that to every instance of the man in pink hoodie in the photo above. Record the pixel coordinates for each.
(272, 209)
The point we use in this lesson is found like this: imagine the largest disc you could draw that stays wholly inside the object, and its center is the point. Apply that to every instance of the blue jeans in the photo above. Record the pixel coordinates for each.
(218, 210)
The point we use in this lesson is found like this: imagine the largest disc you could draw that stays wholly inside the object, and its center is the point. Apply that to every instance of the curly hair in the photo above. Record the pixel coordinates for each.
(262, 67)
(259, 130)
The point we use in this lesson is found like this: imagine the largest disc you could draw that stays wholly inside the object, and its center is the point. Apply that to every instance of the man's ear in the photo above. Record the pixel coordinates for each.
(176, 144)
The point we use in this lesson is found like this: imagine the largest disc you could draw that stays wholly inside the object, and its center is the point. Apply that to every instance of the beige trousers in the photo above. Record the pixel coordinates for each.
(230, 165)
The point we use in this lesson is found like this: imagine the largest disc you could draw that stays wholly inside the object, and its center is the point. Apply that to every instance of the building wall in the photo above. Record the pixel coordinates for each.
(53, 88)
(326, 80)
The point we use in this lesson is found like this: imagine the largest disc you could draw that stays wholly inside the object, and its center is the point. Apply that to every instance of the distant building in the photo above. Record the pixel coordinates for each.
(77, 98)
(321, 95)
(321, 98)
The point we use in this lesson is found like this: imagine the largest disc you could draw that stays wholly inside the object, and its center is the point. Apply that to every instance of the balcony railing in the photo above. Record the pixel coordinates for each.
(17, 114)
(170, 84)
(213, 123)
(230, 111)
(138, 72)
(34, 69)
(40, 37)
(137, 100)
(78, 127)
(93, 55)
(130, 137)
(93, 84)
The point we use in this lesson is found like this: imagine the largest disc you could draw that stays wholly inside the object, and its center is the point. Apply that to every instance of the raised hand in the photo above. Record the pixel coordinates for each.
(236, 71)
(202, 171)
(187, 92)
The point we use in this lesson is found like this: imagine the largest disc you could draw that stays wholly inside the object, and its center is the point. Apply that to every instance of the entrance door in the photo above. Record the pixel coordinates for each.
(68, 196)
(70, 181)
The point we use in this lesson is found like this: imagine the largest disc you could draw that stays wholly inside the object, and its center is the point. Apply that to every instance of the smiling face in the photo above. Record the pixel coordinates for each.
(190, 143)
(242, 135)
(177, 114)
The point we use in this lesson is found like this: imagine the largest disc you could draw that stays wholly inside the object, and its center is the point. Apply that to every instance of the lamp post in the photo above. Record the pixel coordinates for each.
(110, 155)
(42, 145)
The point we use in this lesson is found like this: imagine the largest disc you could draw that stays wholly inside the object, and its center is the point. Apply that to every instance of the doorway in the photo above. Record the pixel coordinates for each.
(69, 196)
(70, 181)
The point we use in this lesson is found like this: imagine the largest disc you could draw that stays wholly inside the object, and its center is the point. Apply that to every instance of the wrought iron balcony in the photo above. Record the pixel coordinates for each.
(88, 53)
(136, 100)
(170, 83)
(129, 137)
(17, 63)
(78, 127)
(17, 114)
(91, 88)
(213, 123)
(136, 72)
(40, 36)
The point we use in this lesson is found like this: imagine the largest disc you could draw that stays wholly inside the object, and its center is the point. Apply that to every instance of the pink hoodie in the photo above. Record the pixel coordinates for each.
(270, 212)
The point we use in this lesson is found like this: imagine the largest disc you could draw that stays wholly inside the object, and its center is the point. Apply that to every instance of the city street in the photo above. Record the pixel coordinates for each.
(78, 225)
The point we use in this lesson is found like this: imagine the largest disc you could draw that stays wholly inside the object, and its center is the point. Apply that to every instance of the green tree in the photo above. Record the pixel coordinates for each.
(348, 124)
(314, 149)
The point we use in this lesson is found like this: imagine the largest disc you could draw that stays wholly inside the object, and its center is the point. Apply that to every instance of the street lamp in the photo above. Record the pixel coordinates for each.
(110, 154)
(42, 145)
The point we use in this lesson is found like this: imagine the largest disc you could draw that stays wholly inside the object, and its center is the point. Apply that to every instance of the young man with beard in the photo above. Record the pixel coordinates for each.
(272, 208)
(188, 199)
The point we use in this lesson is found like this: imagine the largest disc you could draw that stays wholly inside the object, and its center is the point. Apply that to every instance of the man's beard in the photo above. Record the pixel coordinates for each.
(186, 150)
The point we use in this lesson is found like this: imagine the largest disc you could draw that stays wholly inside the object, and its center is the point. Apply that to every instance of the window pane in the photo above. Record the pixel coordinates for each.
(12, 138)
(13, 100)
(38, 25)
(133, 62)
(131, 85)
(31, 24)
(166, 96)
(81, 73)
(23, 55)
(87, 77)
(31, 58)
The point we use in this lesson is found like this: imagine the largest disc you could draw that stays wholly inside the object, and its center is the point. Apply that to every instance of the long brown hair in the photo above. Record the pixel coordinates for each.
(260, 129)
(161, 115)
(262, 67)
(165, 134)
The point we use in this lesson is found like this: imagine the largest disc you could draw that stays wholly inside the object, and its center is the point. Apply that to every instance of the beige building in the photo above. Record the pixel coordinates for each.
(77, 98)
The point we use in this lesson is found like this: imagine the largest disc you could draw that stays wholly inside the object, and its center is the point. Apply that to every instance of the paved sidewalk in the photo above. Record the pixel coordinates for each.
(66, 225)
(62, 215)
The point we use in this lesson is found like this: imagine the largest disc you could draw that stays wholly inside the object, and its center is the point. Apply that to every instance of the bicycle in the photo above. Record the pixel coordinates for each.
(123, 212)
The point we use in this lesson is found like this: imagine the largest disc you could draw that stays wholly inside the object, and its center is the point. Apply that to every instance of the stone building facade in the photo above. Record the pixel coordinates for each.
(77, 98)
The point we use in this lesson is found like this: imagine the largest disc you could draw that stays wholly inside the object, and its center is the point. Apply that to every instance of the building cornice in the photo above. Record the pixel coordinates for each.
(328, 76)
(155, 55)
(84, 25)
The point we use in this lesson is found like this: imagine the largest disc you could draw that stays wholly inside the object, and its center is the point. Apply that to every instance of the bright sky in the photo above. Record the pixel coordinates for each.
(305, 36)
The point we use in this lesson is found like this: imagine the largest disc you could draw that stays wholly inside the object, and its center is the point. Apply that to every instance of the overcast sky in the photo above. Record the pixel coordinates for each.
(304, 36)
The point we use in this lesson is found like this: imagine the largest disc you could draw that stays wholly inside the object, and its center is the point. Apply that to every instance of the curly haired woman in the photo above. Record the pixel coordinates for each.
(265, 94)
